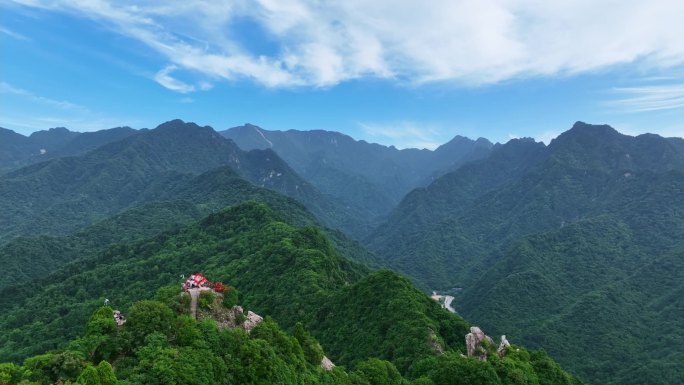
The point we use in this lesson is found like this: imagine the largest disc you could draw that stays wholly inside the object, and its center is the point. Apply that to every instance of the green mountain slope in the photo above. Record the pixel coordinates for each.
(291, 273)
(241, 246)
(540, 247)
(424, 236)
(187, 199)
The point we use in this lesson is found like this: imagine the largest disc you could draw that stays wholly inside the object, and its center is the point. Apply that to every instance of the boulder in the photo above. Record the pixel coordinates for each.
(474, 341)
(252, 321)
(502, 346)
(327, 364)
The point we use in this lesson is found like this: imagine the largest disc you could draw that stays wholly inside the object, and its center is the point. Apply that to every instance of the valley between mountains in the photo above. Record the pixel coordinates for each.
(573, 250)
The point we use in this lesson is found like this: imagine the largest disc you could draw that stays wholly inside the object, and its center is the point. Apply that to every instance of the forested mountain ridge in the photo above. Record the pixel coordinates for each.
(370, 177)
(188, 199)
(62, 195)
(549, 250)
(356, 315)
(18, 150)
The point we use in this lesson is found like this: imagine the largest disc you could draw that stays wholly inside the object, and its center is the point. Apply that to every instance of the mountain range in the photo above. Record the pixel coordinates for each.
(62, 195)
(576, 247)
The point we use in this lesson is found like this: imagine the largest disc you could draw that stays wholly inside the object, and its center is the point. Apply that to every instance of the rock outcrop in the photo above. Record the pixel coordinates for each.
(234, 317)
(501, 351)
(252, 321)
(327, 364)
(477, 347)
(474, 341)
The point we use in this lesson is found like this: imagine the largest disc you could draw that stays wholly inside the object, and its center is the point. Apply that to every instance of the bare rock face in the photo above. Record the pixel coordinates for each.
(252, 320)
(502, 346)
(235, 318)
(474, 343)
(327, 364)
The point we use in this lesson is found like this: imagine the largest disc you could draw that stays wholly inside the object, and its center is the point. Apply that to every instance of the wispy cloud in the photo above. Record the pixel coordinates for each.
(321, 44)
(26, 124)
(650, 98)
(403, 134)
(164, 78)
(12, 34)
(63, 104)
(45, 112)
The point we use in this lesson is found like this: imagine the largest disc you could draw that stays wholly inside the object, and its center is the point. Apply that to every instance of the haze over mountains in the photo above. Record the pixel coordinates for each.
(17, 150)
(576, 247)
(370, 177)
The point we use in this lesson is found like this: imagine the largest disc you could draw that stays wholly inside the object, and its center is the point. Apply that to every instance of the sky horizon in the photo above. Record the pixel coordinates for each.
(396, 73)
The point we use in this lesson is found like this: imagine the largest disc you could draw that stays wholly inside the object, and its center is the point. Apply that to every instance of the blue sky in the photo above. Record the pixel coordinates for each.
(407, 73)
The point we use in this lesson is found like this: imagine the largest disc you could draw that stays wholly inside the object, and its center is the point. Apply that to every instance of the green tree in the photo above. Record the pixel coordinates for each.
(284, 345)
(548, 371)
(10, 373)
(230, 297)
(106, 373)
(67, 365)
(146, 317)
(89, 376)
(452, 369)
(312, 349)
(378, 372)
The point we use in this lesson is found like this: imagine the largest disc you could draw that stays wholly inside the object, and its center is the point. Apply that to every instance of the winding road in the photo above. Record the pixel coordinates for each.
(447, 303)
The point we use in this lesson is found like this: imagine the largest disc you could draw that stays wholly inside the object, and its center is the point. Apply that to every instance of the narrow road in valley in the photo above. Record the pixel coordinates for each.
(447, 303)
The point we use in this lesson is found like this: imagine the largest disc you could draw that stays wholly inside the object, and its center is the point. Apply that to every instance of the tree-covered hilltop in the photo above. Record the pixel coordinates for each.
(552, 245)
(160, 342)
(246, 245)
(292, 273)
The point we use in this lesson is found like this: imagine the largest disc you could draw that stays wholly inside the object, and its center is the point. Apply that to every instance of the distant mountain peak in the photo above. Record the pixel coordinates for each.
(52, 131)
(184, 129)
(175, 123)
(579, 125)
(585, 134)
(594, 130)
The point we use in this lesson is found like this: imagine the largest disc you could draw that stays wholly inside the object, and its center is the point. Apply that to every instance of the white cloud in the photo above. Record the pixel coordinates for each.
(650, 98)
(321, 44)
(164, 78)
(403, 134)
